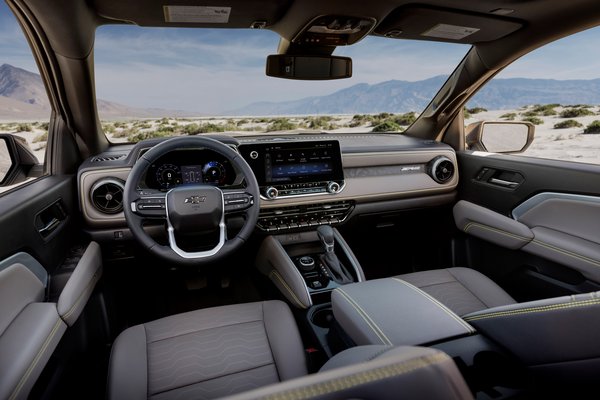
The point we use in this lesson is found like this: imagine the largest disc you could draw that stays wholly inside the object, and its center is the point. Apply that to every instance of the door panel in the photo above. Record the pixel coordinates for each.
(40, 218)
(558, 201)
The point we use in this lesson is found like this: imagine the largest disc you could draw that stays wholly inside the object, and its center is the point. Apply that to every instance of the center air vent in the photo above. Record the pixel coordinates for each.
(107, 195)
(441, 169)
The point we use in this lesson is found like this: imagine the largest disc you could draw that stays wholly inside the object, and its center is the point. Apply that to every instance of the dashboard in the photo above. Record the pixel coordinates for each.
(304, 180)
(186, 167)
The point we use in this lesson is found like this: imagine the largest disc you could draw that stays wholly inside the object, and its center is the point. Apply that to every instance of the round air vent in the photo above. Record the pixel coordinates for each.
(107, 195)
(441, 169)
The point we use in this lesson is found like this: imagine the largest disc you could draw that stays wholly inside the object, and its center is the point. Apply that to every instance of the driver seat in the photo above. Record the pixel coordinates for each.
(207, 353)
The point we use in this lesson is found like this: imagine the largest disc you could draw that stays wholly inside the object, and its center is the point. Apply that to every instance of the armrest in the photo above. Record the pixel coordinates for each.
(491, 226)
(80, 285)
(557, 330)
(393, 312)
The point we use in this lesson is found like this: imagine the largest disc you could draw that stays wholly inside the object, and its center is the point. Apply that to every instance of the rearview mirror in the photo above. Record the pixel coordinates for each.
(500, 137)
(309, 67)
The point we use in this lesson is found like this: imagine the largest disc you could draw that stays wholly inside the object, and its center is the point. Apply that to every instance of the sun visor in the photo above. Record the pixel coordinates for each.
(186, 13)
(443, 25)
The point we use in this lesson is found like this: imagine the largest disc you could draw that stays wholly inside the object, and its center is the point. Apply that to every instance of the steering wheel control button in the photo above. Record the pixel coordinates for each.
(237, 201)
(254, 154)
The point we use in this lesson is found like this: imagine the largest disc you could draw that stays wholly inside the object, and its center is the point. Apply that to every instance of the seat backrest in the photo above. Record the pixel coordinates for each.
(376, 372)
(30, 328)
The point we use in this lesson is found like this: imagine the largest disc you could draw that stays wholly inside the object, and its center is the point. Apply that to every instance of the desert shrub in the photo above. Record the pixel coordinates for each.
(530, 113)
(24, 128)
(41, 138)
(242, 122)
(594, 127)
(476, 110)
(509, 116)
(383, 115)
(534, 120)
(575, 112)
(163, 121)
(466, 113)
(125, 133)
(120, 125)
(281, 124)
(142, 125)
(387, 126)
(546, 109)
(136, 136)
(108, 128)
(405, 119)
(321, 122)
(569, 123)
(360, 119)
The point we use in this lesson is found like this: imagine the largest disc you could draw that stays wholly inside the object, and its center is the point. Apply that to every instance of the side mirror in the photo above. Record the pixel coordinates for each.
(500, 137)
(17, 161)
(309, 67)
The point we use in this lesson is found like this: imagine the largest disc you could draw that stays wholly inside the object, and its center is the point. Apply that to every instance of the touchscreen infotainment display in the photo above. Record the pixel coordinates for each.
(296, 162)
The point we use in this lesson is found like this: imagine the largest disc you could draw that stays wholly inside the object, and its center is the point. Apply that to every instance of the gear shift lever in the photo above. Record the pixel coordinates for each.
(339, 273)
(325, 233)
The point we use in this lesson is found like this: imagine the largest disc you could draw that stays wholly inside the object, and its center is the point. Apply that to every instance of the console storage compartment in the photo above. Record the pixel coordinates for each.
(393, 312)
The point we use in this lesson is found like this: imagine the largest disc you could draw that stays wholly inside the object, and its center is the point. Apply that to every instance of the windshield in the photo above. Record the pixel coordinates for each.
(155, 82)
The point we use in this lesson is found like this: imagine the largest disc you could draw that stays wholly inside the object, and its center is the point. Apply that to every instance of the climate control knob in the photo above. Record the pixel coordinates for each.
(271, 193)
(333, 187)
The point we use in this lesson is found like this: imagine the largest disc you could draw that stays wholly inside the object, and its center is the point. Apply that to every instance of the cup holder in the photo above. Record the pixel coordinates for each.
(323, 318)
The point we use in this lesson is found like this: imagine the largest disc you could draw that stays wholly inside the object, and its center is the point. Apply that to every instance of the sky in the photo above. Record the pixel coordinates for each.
(213, 70)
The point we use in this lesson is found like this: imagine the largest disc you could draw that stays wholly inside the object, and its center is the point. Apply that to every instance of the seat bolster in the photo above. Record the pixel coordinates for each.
(284, 340)
(26, 346)
(128, 370)
(407, 372)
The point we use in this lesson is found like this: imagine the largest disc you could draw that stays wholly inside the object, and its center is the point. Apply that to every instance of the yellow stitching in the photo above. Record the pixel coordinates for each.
(290, 291)
(360, 378)
(89, 286)
(468, 327)
(35, 360)
(374, 327)
(567, 253)
(499, 231)
(531, 310)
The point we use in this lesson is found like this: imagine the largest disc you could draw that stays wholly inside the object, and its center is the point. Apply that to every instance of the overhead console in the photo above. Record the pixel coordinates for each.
(295, 169)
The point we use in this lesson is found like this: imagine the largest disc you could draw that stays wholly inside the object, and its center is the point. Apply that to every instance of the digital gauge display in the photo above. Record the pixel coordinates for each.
(191, 174)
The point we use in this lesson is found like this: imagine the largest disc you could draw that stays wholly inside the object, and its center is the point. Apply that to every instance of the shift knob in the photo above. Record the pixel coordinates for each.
(325, 233)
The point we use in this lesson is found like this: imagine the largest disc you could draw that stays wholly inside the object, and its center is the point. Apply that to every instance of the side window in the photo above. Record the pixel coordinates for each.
(24, 107)
(557, 89)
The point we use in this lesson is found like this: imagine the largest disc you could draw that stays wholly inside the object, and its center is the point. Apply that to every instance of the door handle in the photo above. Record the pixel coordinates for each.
(503, 183)
(49, 227)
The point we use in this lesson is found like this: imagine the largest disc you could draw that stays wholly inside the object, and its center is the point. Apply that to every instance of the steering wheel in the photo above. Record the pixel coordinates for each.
(191, 209)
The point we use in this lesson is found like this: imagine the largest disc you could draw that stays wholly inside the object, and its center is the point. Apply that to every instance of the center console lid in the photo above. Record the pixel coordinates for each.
(391, 311)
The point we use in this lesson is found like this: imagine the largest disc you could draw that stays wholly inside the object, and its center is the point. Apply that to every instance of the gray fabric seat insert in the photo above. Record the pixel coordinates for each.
(462, 290)
(207, 353)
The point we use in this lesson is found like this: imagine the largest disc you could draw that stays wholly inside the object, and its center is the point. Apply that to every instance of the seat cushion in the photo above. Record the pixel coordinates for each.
(462, 290)
(207, 353)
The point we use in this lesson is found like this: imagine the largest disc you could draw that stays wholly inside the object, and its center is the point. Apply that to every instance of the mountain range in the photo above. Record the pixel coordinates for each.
(403, 96)
(23, 96)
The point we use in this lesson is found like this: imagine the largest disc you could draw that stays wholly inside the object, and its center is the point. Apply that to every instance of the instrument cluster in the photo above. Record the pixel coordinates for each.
(187, 167)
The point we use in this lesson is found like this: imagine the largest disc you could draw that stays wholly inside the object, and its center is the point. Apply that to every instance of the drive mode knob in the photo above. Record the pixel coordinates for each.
(271, 192)
(333, 187)
(306, 263)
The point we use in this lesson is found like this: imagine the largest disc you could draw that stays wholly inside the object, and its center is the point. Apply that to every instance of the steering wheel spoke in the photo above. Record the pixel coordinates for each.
(236, 201)
(150, 206)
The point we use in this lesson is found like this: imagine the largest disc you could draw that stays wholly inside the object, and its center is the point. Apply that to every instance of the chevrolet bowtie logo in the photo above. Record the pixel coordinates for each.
(195, 199)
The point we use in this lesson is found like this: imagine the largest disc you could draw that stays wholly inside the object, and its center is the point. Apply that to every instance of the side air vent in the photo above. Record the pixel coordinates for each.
(441, 169)
(113, 157)
(107, 195)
